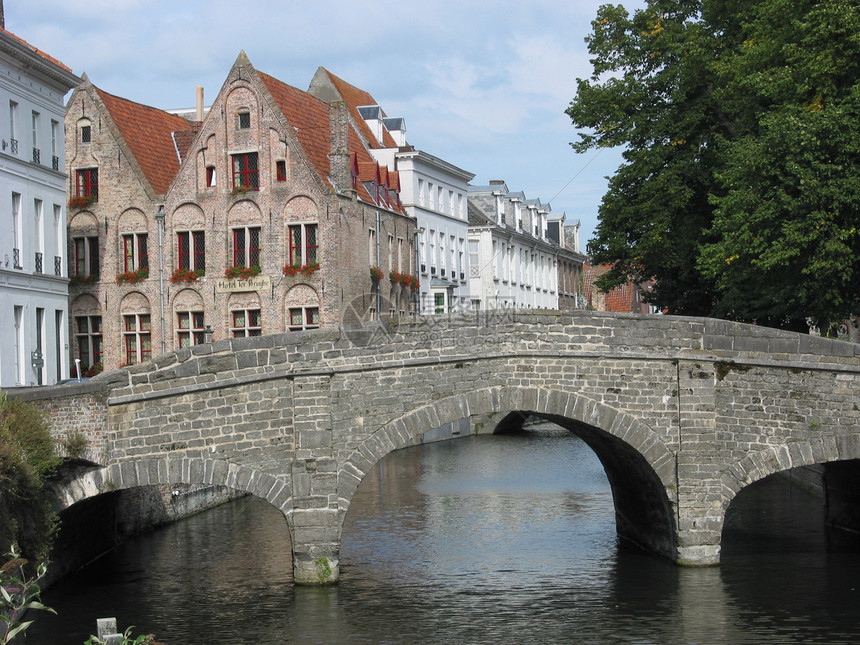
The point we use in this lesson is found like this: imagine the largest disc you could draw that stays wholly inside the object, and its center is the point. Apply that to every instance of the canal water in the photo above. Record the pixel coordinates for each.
(488, 539)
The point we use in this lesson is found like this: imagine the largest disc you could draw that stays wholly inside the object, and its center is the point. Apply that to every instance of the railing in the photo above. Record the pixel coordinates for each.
(37, 156)
(16, 258)
(55, 162)
(38, 262)
(13, 144)
(58, 265)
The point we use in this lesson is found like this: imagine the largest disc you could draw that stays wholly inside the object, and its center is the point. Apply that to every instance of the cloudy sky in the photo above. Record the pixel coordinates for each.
(483, 85)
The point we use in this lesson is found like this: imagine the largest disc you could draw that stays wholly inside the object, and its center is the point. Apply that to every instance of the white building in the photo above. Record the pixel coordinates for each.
(436, 194)
(33, 264)
(516, 257)
(433, 191)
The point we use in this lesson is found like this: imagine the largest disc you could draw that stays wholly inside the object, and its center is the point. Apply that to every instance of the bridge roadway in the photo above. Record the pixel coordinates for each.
(682, 412)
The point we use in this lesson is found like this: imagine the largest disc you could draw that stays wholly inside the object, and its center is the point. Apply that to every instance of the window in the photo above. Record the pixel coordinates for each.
(210, 176)
(192, 250)
(134, 252)
(246, 171)
(55, 149)
(303, 244)
(86, 134)
(85, 256)
(87, 182)
(281, 170)
(246, 246)
(244, 120)
(13, 127)
(191, 328)
(371, 246)
(88, 333)
(246, 322)
(37, 153)
(17, 231)
(304, 318)
(138, 338)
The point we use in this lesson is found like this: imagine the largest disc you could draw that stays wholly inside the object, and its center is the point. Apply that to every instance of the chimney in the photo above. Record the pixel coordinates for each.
(199, 100)
(340, 171)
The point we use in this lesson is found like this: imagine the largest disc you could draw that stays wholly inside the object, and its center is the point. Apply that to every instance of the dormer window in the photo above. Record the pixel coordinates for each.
(244, 120)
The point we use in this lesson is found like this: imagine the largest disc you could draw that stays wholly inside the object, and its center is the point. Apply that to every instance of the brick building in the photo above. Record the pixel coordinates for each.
(624, 299)
(259, 216)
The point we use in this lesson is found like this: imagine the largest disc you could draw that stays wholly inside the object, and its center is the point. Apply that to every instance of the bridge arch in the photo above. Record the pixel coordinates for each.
(640, 467)
(154, 472)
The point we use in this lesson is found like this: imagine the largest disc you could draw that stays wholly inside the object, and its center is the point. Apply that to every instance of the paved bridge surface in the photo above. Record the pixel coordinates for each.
(683, 413)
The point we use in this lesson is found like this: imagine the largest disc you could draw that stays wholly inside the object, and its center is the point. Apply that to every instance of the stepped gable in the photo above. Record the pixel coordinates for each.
(355, 98)
(148, 132)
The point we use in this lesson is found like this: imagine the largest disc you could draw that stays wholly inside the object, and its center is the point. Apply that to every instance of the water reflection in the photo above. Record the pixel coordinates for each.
(504, 539)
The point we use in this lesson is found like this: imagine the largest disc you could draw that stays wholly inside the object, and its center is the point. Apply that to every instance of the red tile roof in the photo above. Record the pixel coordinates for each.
(310, 118)
(35, 50)
(355, 98)
(148, 132)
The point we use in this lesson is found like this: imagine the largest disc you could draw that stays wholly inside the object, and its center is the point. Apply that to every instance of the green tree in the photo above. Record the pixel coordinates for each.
(739, 125)
(27, 458)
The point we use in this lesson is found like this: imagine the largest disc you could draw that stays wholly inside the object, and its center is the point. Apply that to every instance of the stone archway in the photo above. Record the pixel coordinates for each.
(642, 469)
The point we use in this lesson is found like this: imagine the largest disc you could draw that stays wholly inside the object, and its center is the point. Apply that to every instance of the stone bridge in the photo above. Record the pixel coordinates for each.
(682, 412)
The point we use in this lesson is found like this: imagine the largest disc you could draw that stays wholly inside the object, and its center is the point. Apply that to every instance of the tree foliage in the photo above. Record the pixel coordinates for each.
(739, 190)
(27, 458)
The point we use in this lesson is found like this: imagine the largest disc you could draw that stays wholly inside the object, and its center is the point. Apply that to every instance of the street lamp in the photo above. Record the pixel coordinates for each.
(159, 217)
(207, 334)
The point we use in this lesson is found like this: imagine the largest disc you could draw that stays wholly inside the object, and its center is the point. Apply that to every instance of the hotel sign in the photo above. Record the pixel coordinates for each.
(236, 285)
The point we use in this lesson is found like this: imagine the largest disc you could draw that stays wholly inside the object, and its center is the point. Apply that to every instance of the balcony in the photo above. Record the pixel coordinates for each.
(16, 259)
(55, 162)
(13, 146)
(37, 156)
(39, 262)
(58, 265)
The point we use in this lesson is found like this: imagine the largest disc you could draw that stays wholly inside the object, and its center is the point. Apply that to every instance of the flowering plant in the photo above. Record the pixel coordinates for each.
(185, 275)
(83, 279)
(304, 269)
(242, 272)
(82, 201)
(95, 368)
(403, 278)
(131, 277)
(376, 274)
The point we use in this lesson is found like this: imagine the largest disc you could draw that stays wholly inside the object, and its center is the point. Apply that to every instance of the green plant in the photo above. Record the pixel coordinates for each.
(132, 277)
(82, 201)
(376, 274)
(18, 594)
(185, 275)
(75, 445)
(305, 269)
(241, 272)
(27, 457)
(127, 639)
(323, 570)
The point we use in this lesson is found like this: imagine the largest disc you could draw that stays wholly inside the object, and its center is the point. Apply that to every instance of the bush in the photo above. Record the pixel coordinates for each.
(27, 458)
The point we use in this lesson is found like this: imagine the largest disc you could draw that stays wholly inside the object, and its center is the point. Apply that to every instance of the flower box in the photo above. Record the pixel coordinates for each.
(304, 269)
(185, 276)
(82, 201)
(132, 277)
(242, 273)
(376, 274)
